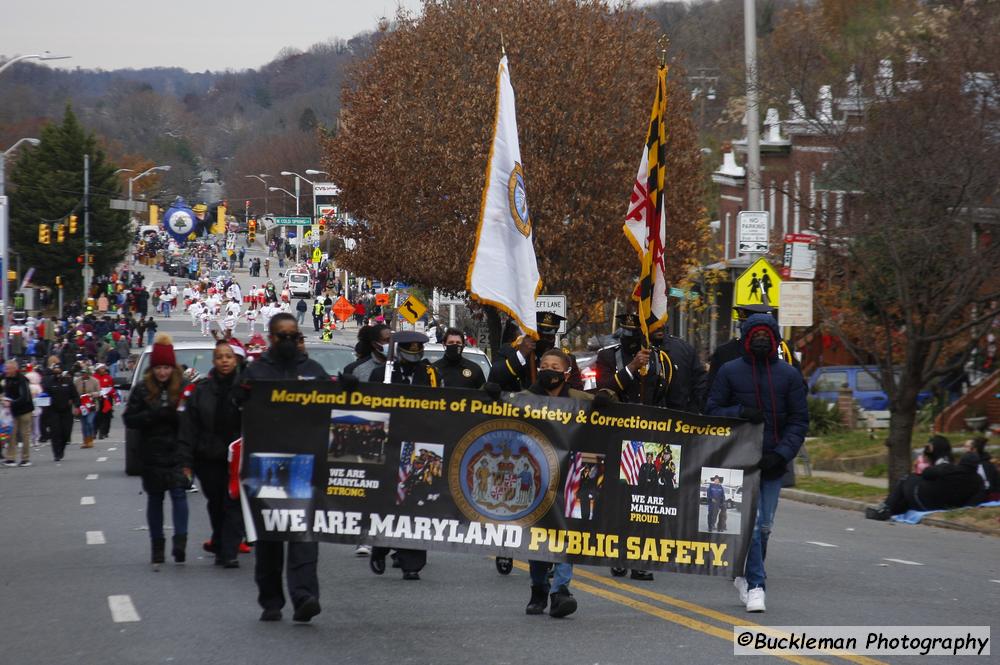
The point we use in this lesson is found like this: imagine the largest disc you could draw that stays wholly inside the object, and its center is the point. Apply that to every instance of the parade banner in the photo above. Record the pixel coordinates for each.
(528, 476)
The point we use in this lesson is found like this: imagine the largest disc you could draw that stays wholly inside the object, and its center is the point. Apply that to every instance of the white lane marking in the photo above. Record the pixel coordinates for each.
(122, 609)
(997, 581)
(904, 562)
(102, 459)
(91, 476)
(850, 528)
(819, 544)
(96, 538)
(111, 450)
(87, 501)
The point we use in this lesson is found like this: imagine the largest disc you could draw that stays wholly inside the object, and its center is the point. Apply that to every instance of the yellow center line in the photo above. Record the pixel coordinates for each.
(680, 619)
(698, 609)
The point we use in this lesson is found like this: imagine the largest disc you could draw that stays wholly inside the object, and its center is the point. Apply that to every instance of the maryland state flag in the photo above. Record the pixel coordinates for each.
(503, 271)
(646, 223)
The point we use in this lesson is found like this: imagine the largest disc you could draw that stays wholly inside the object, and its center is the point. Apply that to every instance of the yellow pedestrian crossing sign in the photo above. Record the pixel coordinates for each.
(317, 256)
(758, 285)
(412, 309)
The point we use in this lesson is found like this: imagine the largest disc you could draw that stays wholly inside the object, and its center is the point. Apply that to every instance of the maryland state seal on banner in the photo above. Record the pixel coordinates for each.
(505, 471)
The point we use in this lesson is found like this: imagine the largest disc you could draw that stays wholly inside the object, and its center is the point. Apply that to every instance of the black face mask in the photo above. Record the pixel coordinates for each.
(550, 379)
(284, 349)
(760, 347)
(453, 353)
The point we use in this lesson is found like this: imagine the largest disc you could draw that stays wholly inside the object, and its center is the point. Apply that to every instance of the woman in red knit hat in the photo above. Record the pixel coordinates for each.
(166, 466)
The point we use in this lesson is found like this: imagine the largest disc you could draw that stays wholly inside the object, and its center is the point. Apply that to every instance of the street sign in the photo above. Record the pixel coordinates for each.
(752, 231)
(800, 256)
(317, 256)
(412, 309)
(293, 221)
(381, 299)
(556, 304)
(343, 309)
(125, 204)
(325, 189)
(327, 210)
(758, 285)
(267, 221)
(796, 304)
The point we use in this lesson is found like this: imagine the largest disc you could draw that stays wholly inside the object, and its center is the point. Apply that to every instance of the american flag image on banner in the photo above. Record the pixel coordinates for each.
(570, 499)
(405, 465)
(633, 455)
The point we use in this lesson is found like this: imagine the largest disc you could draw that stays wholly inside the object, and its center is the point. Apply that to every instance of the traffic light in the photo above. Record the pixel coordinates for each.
(59, 281)
(43, 234)
(251, 225)
(322, 226)
(72, 224)
(251, 237)
(79, 259)
(60, 233)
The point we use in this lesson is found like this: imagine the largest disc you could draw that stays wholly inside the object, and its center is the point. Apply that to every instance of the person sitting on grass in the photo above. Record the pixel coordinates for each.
(941, 486)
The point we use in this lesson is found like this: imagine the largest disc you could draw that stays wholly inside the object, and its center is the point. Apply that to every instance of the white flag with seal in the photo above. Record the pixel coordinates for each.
(503, 271)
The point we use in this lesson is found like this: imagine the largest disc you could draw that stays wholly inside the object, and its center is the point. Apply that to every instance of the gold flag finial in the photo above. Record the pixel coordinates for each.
(662, 43)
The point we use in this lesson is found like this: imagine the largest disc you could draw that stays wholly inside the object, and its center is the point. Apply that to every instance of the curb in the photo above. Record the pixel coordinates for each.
(859, 506)
(822, 499)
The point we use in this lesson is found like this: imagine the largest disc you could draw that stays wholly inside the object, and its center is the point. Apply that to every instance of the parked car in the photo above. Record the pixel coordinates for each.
(434, 353)
(333, 357)
(299, 284)
(861, 380)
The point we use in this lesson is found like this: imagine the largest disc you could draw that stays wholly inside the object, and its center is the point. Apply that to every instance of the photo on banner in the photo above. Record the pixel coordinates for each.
(280, 476)
(653, 468)
(720, 500)
(421, 473)
(582, 494)
(358, 436)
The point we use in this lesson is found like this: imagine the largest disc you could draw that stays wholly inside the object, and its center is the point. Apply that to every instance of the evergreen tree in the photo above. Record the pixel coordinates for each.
(46, 186)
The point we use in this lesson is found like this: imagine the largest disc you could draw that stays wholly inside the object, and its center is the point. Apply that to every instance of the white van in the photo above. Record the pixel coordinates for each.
(299, 284)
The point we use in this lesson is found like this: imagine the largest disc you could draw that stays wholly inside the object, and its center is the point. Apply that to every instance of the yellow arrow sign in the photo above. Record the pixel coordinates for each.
(412, 309)
(758, 285)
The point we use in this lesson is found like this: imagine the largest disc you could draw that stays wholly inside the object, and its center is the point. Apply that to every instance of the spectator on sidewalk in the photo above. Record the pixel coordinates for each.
(942, 485)
(17, 398)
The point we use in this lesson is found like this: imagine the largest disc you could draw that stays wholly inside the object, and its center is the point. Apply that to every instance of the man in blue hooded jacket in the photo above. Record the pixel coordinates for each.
(760, 388)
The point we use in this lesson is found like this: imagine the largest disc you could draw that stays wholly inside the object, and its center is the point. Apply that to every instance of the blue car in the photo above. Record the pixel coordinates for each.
(863, 382)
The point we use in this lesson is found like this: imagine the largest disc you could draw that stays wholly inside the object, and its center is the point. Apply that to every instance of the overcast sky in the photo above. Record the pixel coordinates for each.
(193, 34)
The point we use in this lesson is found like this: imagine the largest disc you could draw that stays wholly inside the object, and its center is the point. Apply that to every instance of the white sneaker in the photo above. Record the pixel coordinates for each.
(755, 600)
(741, 587)
(362, 550)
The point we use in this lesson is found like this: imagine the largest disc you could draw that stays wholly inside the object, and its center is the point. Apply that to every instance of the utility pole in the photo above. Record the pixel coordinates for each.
(753, 117)
(300, 230)
(86, 230)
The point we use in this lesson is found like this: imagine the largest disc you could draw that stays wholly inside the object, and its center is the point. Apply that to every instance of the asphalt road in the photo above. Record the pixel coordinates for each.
(76, 588)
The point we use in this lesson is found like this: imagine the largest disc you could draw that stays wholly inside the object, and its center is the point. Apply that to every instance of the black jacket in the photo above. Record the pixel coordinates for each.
(62, 392)
(464, 373)
(269, 368)
(950, 485)
(210, 420)
(689, 385)
(16, 389)
(163, 458)
(630, 387)
(509, 372)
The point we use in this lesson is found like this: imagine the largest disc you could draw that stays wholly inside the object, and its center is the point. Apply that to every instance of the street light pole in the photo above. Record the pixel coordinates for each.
(37, 56)
(311, 214)
(86, 229)
(753, 118)
(5, 240)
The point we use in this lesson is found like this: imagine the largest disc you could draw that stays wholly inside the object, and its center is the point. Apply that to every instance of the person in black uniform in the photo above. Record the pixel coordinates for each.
(456, 371)
(647, 475)
(413, 369)
(284, 360)
(516, 365)
(687, 383)
(633, 373)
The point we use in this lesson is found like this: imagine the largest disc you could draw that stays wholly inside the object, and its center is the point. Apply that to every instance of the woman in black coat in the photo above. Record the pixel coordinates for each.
(209, 423)
(166, 467)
